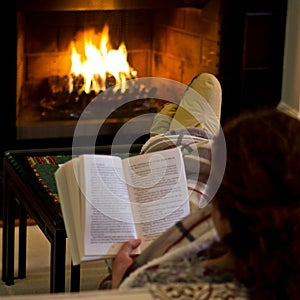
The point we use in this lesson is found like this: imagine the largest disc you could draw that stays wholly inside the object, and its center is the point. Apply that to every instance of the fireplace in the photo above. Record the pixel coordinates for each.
(241, 42)
(170, 39)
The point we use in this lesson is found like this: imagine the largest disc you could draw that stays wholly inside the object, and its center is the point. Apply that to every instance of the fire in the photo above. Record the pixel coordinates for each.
(99, 61)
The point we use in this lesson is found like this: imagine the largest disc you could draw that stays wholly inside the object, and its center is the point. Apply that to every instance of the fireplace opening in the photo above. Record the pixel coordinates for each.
(175, 42)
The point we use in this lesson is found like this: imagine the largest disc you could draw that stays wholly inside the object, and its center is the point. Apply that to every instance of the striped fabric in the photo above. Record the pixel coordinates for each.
(195, 144)
(195, 233)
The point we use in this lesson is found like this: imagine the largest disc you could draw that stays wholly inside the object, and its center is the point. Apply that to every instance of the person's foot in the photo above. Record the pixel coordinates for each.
(201, 105)
(208, 86)
(162, 120)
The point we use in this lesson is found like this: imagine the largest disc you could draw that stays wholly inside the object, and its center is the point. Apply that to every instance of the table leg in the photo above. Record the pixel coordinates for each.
(22, 242)
(9, 242)
(75, 278)
(4, 227)
(58, 263)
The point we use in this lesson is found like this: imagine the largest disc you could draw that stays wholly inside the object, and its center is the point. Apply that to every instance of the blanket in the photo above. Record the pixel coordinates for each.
(195, 144)
(207, 291)
(196, 232)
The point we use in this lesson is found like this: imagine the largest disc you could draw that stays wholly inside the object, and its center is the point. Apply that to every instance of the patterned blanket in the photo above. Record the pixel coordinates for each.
(195, 144)
(207, 291)
(196, 232)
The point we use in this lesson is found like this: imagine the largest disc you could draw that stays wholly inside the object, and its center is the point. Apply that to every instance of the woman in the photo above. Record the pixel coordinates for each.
(256, 212)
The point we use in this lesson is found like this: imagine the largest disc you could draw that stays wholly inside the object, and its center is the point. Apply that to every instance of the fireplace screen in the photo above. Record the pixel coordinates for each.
(67, 54)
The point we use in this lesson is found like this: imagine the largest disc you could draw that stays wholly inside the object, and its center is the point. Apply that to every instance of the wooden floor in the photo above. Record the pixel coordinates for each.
(38, 262)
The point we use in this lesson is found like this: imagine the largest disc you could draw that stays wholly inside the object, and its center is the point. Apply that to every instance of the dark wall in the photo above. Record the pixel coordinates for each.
(8, 71)
(252, 46)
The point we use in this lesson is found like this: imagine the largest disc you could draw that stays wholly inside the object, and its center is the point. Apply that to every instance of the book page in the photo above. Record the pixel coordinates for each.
(158, 190)
(69, 198)
(108, 217)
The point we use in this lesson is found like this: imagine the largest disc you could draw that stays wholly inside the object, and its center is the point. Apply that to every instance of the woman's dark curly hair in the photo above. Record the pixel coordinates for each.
(260, 196)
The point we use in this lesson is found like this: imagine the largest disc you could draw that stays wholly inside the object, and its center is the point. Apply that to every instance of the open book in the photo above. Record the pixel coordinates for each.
(106, 200)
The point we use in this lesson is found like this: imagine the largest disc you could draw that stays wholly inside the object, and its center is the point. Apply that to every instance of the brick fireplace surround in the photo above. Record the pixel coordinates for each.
(175, 44)
(241, 43)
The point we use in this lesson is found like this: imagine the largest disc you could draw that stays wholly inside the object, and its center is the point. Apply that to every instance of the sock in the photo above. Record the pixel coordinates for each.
(162, 120)
(201, 105)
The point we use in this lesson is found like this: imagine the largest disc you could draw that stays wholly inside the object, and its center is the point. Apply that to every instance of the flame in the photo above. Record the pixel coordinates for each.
(96, 62)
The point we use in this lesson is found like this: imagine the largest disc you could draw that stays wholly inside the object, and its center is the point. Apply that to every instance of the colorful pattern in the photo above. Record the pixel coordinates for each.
(183, 291)
(194, 233)
(188, 269)
(44, 168)
(172, 268)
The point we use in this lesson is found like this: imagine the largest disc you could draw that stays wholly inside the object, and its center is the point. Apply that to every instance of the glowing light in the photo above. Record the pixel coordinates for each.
(95, 63)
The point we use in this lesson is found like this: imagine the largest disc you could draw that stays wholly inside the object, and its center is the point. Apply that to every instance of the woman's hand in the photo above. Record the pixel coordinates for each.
(122, 261)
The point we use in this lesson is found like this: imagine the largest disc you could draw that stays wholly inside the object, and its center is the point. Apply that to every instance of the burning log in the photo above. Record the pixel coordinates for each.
(97, 67)
(59, 103)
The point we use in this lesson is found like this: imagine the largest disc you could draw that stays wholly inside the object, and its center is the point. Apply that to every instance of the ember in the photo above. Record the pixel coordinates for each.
(60, 104)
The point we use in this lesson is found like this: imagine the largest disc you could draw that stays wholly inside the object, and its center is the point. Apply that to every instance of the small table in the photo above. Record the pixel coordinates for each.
(24, 190)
